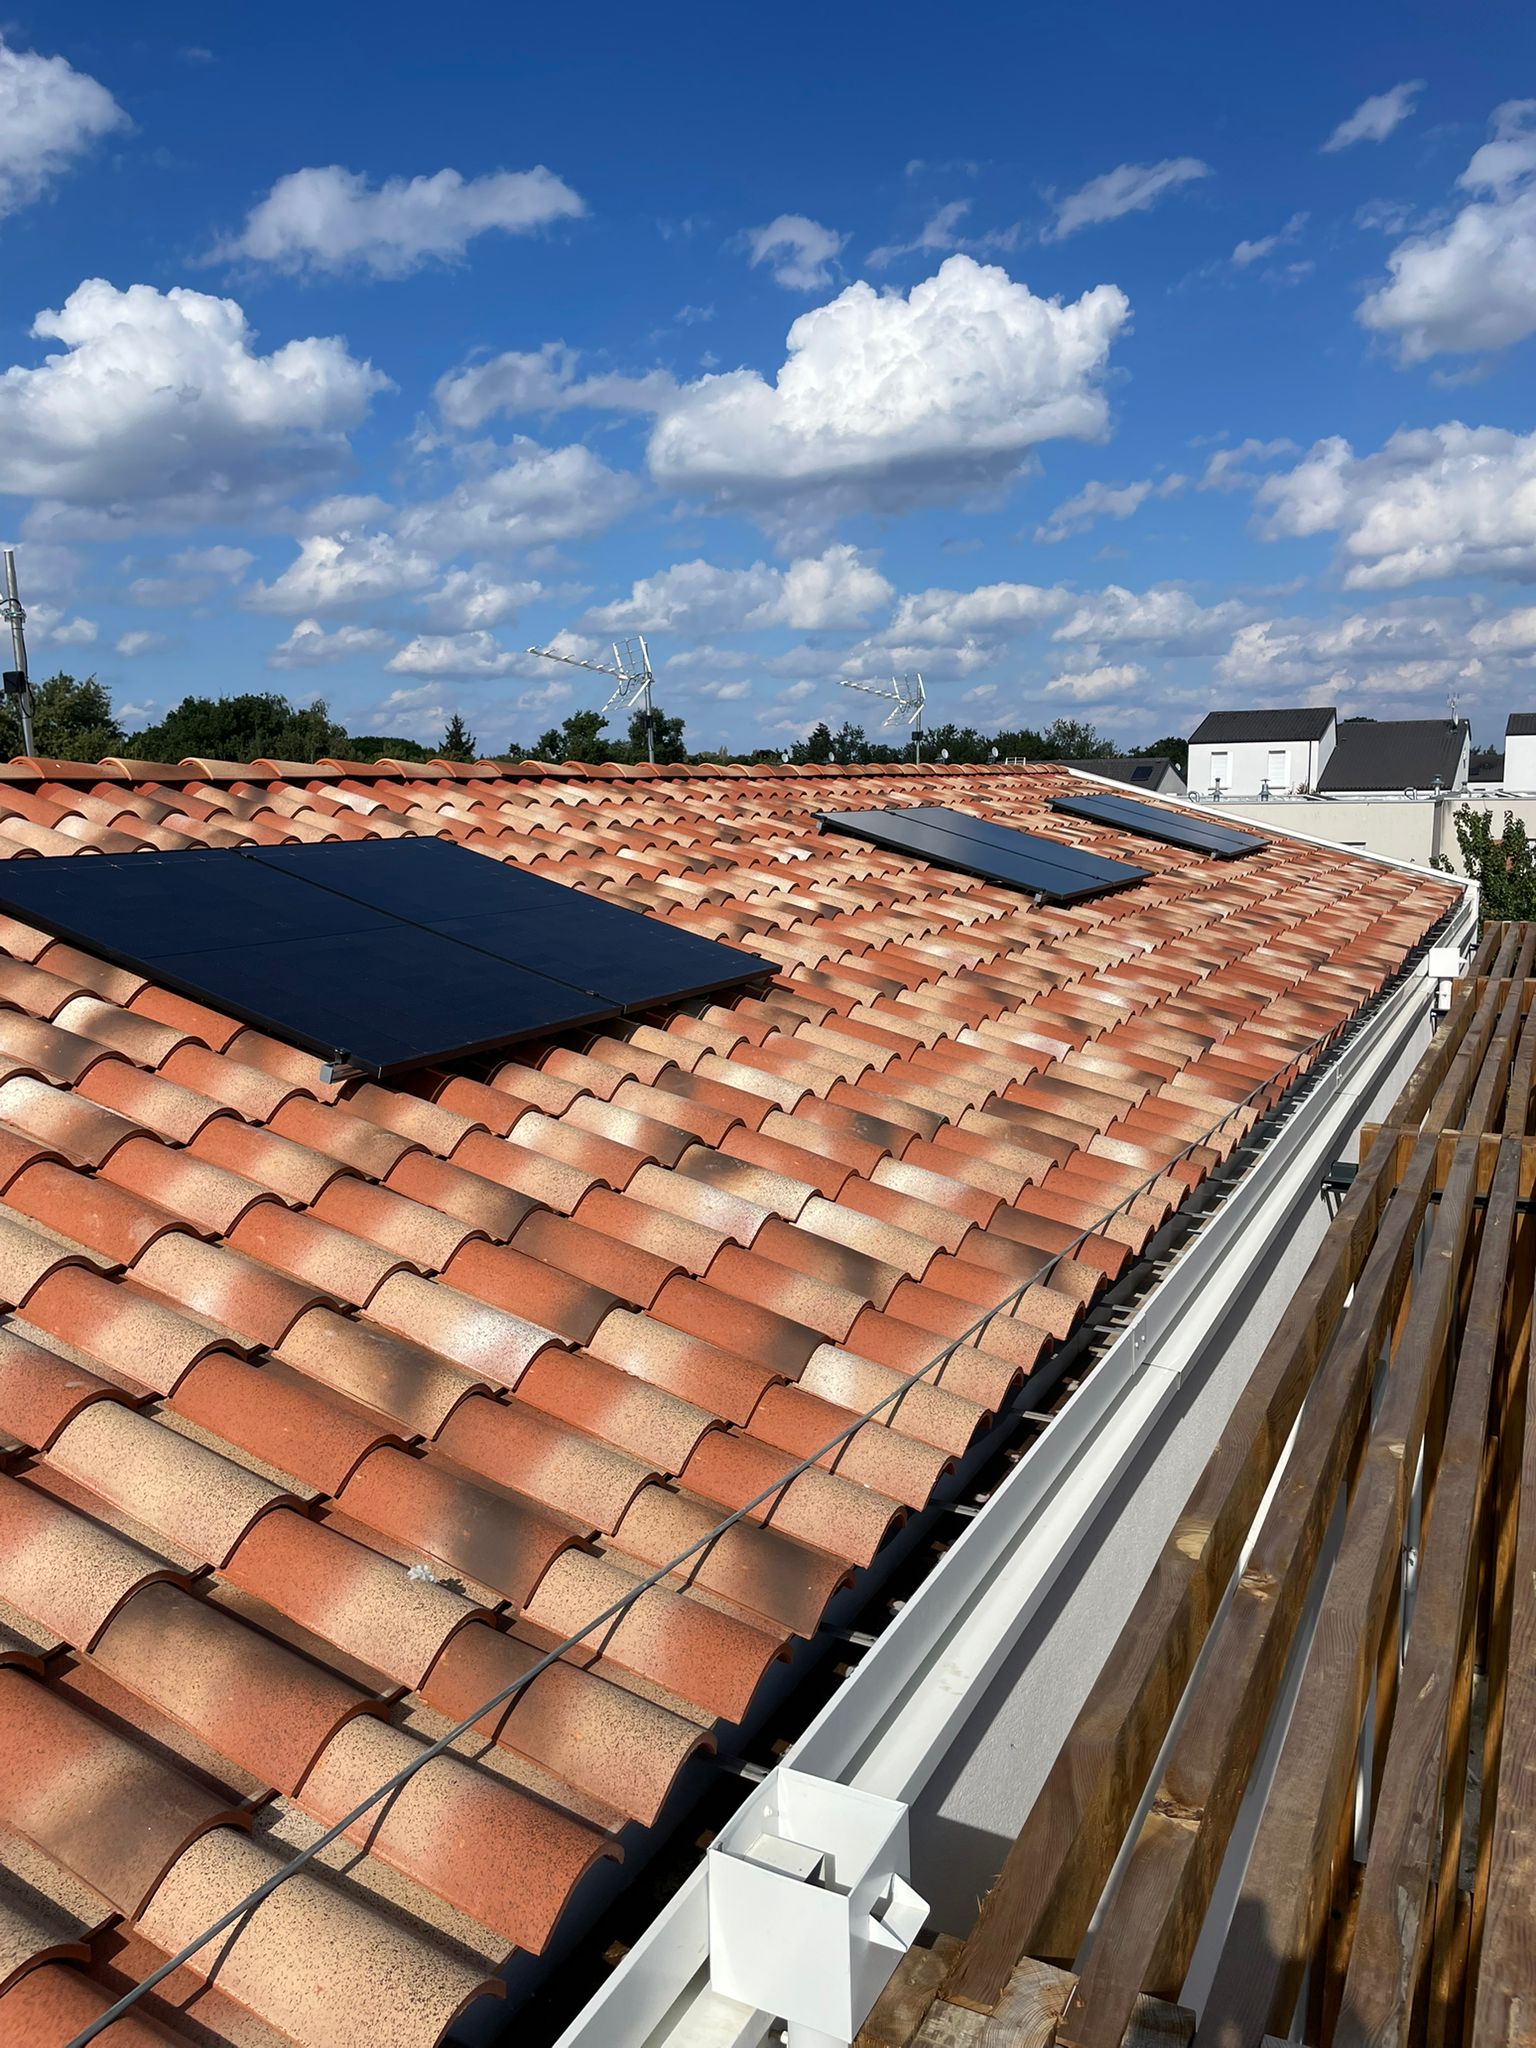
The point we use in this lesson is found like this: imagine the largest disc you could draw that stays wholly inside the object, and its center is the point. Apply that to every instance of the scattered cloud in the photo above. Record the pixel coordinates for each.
(838, 588)
(542, 380)
(1165, 617)
(309, 645)
(1375, 118)
(1469, 285)
(328, 219)
(885, 401)
(1434, 502)
(940, 233)
(800, 253)
(335, 571)
(519, 497)
(1097, 685)
(1248, 253)
(1224, 470)
(157, 409)
(1097, 501)
(50, 115)
(453, 654)
(476, 597)
(48, 623)
(132, 645)
(1129, 188)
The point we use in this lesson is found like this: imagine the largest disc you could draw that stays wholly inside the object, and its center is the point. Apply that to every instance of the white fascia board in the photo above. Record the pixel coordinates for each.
(896, 1715)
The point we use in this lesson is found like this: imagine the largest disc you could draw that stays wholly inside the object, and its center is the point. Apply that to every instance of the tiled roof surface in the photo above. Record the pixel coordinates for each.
(1395, 753)
(326, 1409)
(1294, 722)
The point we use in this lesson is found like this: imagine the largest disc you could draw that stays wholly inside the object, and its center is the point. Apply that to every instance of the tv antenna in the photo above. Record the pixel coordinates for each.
(17, 687)
(906, 698)
(633, 680)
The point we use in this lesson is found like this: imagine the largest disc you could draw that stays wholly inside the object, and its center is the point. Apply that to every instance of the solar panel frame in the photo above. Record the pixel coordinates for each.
(995, 853)
(1150, 821)
(266, 935)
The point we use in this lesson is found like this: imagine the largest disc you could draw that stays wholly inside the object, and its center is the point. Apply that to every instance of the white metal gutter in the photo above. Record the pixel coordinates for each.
(900, 1710)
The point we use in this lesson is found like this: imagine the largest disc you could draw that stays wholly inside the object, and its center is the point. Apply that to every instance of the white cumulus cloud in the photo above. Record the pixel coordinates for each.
(1097, 685)
(1166, 617)
(799, 252)
(454, 654)
(885, 400)
(333, 571)
(1375, 118)
(326, 218)
(309, 645)
(50, 114)
(157, 405)
(132, 645)
(1247, 253)
(1128, 188)
(542, 380)
(518, 497)
(1470, 285)
(1435, 501)
(837, 588)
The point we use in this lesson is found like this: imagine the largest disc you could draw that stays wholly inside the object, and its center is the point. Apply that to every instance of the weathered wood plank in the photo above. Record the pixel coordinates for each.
(1406, 1871)
(1150, 1928)
(1288, 1887)
(903, 2005)
(1504, 1995)
(1052, 1876)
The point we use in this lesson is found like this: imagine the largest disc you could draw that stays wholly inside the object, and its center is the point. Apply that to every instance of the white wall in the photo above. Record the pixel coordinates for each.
(1243, 769)
(1520, 760)
(1399, 828)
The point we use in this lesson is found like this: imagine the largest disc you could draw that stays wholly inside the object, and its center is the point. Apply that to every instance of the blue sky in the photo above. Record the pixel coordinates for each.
(1112, 363)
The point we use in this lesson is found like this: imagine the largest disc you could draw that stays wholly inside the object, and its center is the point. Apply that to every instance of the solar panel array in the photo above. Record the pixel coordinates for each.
(381, 954)
(996, 853)
(1151, 821)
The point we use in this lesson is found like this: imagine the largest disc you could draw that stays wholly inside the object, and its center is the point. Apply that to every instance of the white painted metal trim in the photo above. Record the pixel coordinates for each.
(889, 1724)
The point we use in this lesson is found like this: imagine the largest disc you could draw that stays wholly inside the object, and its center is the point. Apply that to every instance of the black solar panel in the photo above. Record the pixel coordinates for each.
(1151, 821)
(383, 954)
(997, 853)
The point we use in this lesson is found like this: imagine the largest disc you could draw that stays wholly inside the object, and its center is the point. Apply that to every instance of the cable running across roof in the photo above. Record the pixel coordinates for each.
(699, 1549)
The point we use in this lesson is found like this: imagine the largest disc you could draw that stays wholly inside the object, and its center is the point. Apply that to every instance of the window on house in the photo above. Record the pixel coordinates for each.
(1279, 771)
(1221, 771)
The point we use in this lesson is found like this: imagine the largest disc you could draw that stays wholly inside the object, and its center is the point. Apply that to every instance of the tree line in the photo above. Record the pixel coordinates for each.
(74, 720)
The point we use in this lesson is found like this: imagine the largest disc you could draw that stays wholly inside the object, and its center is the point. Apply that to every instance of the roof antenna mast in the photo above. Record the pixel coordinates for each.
(17, 687)
(634, 680)
(906, 698)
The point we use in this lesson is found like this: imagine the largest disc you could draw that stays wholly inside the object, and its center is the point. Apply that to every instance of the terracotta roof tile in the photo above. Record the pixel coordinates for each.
(413, 1380)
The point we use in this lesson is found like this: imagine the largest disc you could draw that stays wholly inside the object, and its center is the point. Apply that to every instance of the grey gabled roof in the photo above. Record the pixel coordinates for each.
(1141, 771)
(1302, 722)
(1520, 724)
(1394, 753)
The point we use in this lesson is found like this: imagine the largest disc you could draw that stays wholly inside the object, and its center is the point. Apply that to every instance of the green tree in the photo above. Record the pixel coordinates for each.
(256, 726)
(849, 744)
(578, 739)
(382, 747)
(72, 720)
(815, 747)
(1074, 739)
(1170, 749)
(458, 742)
(1504, 868)
(667, 734)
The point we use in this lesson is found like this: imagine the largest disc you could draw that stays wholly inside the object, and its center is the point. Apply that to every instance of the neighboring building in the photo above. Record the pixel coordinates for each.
(1520, 751)
(1153, 773)
(1391, 755)
(333, 1407)
(1241, 753)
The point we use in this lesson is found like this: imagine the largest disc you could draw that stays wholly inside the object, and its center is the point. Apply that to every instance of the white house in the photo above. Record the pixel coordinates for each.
(1520, 751)
(1243, 753)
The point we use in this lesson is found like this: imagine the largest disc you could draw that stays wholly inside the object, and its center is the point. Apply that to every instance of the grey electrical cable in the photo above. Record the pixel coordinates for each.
(253, 1899)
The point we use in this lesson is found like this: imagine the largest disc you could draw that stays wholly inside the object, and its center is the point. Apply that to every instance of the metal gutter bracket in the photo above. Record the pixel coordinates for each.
(809, 1906)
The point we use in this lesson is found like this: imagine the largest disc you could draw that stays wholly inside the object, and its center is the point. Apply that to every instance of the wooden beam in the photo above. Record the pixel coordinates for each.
(1504, 1995)
(1420, 1806)
(1150, 1928)
(1052, 1877)
(1288, 1887)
